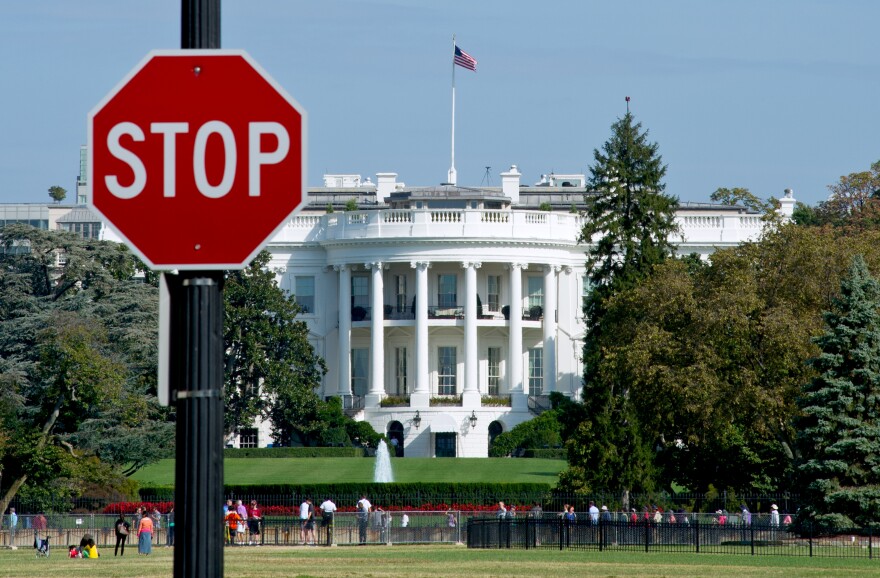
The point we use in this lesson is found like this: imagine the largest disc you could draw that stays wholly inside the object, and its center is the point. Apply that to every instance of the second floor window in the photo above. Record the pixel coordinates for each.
(401, 293)
(446, 291)
(494, 292)
(304, 293)
(360, 291)
(536, 291)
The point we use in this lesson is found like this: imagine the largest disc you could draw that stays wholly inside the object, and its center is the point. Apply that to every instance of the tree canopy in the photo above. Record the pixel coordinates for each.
(77, 363)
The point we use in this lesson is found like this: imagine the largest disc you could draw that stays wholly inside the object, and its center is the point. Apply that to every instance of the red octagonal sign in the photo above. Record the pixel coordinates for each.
(197, 158)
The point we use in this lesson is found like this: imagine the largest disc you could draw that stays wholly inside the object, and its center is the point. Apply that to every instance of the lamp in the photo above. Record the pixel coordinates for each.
(473, 419)
(417, 420)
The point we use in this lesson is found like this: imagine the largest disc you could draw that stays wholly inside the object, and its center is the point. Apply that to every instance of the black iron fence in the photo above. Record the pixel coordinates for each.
(698, 534)
(346, 528)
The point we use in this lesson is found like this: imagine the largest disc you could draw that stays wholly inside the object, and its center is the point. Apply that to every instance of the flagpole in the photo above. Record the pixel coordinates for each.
(451, 177)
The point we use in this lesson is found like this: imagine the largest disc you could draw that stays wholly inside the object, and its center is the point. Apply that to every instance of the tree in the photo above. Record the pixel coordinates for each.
(271, 369)
(57, 193)
(628, 228)
(840, 428)
(739, 196)
(77, 351)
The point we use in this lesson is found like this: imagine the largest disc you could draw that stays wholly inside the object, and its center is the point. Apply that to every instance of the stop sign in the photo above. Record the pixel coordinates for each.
(197, 158)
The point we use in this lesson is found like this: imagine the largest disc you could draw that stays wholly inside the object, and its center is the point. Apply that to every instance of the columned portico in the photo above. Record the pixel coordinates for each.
(344, 354)
(377, 337)
(421, 394)
(550, 323)
(518, 396)
(470, 396)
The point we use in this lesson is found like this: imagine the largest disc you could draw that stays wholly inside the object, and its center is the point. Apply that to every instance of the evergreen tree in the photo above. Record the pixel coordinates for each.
(629, 222)
(839, 434)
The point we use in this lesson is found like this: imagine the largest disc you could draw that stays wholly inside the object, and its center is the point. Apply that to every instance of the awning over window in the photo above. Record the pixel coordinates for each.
(443, 423)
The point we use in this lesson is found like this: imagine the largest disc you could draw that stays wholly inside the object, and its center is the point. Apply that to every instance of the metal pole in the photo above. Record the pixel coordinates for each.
(196, 376)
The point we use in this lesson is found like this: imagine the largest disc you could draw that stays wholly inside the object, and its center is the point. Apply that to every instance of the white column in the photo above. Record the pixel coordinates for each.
(421, 395)
(550, 326)
(377, 337)
(344, 355)
(471, 394)
(518, 394)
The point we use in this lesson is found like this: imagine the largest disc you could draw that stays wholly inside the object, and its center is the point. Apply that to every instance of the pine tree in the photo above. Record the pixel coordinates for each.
(629, 220)
(839, 431)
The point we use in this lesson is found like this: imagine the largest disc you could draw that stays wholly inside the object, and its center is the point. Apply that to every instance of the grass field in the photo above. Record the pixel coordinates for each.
(333, 470)
(439, 561)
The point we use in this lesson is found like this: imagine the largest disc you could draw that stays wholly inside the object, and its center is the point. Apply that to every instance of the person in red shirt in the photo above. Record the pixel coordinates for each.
(255, 519)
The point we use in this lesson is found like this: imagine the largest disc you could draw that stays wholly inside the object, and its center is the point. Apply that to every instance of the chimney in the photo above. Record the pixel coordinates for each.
(510, 184)
(786, 205)
(386, 184)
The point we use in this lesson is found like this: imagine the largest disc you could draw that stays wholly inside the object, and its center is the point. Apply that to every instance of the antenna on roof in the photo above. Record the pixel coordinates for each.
(487, 177)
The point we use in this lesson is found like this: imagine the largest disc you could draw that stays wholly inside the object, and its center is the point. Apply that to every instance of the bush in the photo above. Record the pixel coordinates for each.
(539, 433)
(547, 454)
(305, 452)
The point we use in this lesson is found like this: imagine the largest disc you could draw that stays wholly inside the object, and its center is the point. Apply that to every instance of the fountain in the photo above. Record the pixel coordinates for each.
(383, 473)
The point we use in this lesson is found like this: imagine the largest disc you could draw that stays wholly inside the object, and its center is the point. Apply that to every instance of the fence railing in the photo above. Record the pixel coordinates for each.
(346, 528)
(760, 537)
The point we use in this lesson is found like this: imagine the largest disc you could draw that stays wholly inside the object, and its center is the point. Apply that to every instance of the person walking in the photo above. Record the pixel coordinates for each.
(121, 528)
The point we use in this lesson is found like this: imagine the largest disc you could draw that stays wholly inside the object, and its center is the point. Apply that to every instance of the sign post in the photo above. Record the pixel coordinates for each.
(196, 159)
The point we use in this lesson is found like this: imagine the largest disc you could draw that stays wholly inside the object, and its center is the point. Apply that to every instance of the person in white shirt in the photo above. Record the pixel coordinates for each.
(594, 513)
(364, 507)
(328, 509)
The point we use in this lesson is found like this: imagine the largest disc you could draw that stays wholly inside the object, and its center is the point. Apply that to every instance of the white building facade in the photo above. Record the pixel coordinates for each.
(448, 315)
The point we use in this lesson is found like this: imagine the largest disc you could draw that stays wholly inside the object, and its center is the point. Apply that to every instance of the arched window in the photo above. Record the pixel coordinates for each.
(395, 437)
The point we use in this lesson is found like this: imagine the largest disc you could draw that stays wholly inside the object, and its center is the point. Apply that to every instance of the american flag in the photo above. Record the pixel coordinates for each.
(464, 59)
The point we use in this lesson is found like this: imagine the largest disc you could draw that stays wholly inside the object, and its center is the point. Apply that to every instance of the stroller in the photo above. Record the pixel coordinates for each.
(41, 546)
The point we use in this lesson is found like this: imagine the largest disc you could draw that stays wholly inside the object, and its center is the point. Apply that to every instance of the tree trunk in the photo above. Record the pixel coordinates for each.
(44, 436)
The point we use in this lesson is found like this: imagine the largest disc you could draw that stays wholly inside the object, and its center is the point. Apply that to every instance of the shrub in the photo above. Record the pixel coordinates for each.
(304, 452)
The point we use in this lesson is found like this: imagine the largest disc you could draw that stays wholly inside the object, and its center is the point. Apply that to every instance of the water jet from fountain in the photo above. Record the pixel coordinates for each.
(383, 473)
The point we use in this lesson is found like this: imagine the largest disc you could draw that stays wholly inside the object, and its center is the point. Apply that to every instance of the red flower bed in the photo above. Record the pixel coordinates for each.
(165, 507)
(131, 507)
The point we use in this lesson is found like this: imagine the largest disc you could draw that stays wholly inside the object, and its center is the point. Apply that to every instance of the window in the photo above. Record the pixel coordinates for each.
(446, 371)
(494, 370)
(401, 293)
(400, 370)
(304, 293)
(536, 371)
(446, 291)
(536, 291)
(494, 292)
(248, 438)
(360, 364)
(360, 291)
(444, 445)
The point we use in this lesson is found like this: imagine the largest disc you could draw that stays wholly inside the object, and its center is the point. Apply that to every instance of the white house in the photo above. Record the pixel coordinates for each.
(460, 307)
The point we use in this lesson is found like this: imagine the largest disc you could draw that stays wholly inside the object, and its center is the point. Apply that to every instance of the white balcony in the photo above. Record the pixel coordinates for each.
(711, 229)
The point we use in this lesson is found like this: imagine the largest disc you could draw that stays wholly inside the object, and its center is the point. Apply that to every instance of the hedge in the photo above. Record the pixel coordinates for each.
(298, 452)
(398, 494)
(547, 454)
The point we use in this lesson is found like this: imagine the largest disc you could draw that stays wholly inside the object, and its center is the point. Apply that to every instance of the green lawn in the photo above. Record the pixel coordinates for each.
(331, 470)
(439, 561)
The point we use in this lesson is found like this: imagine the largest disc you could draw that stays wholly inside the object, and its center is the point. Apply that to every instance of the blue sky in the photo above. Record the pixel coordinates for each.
(764, 94)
